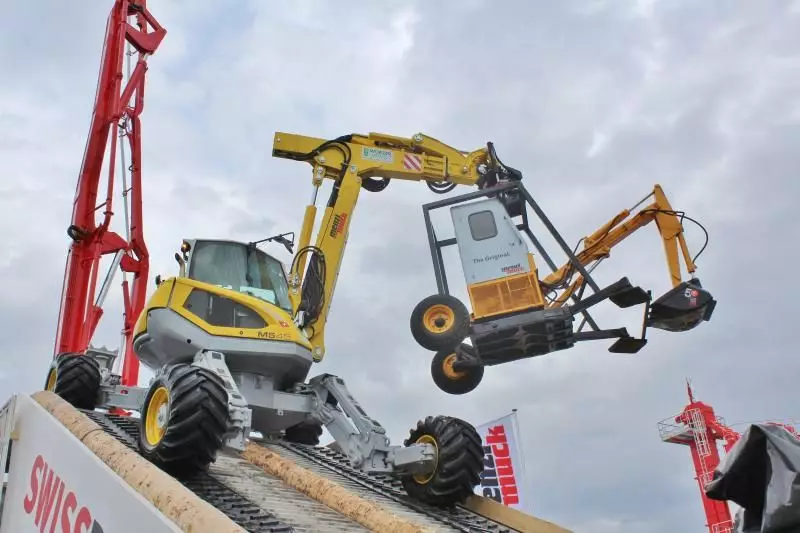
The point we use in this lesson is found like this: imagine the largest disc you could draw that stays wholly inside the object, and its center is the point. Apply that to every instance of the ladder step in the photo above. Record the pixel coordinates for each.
(627, 345)
(630, 296)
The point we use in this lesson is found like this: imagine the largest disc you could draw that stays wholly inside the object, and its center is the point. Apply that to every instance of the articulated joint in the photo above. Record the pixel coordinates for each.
(418, 458)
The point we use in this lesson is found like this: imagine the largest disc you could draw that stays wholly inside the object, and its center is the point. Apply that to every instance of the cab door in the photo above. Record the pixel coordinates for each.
(489, 244)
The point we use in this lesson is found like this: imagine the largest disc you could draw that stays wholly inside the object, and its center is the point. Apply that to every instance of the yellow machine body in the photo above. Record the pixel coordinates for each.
(258, 337)
(510, 294)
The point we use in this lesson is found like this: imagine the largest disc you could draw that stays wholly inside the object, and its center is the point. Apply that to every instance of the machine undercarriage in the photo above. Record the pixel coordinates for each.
(200, 403)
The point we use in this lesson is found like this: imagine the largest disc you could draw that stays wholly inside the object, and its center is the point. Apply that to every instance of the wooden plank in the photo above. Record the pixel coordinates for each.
(510, 517)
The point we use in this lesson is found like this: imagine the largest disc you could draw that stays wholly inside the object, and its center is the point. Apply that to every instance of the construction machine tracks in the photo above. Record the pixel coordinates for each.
(383, 489)
(237, 498)
(239, 509)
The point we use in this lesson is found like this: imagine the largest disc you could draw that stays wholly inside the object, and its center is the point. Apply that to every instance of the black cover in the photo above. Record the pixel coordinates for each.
(761, 474)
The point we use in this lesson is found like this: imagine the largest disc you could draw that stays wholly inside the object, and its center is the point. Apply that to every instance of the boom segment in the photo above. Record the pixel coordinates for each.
(121, 106)
(369, 162)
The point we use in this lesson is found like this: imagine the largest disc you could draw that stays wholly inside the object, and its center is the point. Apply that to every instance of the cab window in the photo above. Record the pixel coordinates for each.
(482, 225)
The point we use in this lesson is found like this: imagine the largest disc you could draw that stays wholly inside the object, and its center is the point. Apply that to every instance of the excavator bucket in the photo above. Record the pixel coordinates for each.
(682, 308)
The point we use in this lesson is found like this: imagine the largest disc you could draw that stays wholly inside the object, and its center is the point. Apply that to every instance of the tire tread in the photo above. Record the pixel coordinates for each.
(460, 461)
(197, 422)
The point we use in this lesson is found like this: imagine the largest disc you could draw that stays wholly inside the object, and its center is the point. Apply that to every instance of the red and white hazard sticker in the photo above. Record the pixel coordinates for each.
(412, 162)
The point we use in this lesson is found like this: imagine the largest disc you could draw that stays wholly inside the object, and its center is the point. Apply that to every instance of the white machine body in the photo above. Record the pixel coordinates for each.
(489, 243)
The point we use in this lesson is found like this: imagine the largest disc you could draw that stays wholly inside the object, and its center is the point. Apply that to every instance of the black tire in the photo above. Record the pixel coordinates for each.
(459, 461)
(77, 380)
(450, 381)
(307, 432)
(440, 322)
(375, 184)
(196, 420)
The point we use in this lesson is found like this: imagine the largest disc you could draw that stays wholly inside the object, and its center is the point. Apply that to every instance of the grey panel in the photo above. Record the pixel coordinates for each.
(273, 410)
(170, 339)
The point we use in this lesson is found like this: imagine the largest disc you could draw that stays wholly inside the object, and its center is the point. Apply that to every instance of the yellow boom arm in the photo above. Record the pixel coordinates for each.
(354, 162)
(597, 246)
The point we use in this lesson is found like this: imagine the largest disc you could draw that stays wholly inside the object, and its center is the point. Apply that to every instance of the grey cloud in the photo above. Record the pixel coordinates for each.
(701, 99)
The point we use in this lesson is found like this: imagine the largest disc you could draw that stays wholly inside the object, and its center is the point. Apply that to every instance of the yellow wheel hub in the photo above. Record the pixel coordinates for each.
(438, 318)
(51, 380)
(448, 370)
(423, 479)
(155, 423)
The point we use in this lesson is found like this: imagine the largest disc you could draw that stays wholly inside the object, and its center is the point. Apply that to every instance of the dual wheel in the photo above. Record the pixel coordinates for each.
(458, 465)
(441, 323)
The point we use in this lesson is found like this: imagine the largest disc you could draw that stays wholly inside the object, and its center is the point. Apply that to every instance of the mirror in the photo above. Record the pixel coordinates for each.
(182, 264)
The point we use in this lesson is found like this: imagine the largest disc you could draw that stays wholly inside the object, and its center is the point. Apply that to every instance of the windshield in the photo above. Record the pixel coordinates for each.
(236, 266)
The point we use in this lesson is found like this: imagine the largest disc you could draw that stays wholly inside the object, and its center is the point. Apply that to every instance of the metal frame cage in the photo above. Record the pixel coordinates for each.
(514, 196)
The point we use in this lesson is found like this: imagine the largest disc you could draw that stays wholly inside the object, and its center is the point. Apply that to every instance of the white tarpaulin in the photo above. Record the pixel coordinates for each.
(503, 478)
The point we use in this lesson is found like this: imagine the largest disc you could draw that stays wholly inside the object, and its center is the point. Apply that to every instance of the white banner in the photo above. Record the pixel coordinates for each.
(503, 478)
(57, 484)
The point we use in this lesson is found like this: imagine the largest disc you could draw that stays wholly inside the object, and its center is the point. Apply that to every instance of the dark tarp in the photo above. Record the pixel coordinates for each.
(761, 474)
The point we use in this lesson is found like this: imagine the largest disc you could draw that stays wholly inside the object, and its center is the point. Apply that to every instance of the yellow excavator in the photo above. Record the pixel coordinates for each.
(232, 337)
(515, 314)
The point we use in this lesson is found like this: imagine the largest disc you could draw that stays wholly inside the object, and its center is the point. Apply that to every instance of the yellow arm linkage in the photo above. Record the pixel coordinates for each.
(353, 162)
(597, 246)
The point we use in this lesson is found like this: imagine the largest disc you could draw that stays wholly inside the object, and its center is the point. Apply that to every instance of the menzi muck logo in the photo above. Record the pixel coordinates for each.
(338, 224)
(513, 269)
(498, 480)
(51, 501)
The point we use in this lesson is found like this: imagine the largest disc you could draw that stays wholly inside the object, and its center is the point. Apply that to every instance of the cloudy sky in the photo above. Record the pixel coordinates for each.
(595, 101)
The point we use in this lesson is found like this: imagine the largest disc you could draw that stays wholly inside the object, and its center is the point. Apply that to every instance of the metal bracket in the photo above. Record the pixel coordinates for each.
(361, 438)
(240, 415)
(115, 395)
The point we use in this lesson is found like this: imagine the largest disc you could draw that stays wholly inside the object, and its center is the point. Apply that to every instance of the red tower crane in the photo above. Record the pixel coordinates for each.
(698, 427)
(115, 105)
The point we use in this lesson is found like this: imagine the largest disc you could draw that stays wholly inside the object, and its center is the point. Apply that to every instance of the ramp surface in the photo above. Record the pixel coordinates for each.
(281, 487)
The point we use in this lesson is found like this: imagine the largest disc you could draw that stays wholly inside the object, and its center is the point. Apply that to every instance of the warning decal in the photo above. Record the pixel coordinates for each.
(412, 162)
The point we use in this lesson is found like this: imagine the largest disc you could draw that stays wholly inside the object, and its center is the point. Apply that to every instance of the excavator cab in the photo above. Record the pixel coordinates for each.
(514, 313)
(237, 266)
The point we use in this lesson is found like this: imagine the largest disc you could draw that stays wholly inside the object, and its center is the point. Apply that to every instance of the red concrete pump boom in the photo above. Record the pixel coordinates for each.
(699, 428)
(92, 239)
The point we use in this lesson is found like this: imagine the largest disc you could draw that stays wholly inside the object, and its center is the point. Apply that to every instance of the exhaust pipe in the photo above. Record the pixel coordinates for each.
(682, 308)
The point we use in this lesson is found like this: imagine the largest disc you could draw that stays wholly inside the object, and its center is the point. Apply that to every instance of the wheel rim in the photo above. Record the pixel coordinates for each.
(51, 380)
(423, 479)
(155, 423)
(438, 318)
(449, 371)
